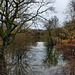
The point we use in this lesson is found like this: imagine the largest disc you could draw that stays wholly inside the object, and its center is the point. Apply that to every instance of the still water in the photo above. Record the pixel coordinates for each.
(34, 59)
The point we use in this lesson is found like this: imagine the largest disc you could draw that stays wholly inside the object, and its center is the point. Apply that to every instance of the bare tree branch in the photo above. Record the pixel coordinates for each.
(15, 13)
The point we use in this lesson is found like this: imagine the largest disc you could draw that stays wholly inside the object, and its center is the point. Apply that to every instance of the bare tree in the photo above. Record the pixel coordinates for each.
(70, 24)
(71, 9)
(15, 13)
(50, 25)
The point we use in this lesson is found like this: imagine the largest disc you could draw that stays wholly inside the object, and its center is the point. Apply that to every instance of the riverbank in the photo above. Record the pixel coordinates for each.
(68, 48)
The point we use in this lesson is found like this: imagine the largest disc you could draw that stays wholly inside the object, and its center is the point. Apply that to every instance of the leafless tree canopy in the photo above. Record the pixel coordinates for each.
(72, 8)
(15, 13)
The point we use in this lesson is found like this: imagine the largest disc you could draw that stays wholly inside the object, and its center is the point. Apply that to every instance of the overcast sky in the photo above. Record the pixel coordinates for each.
(60, 7)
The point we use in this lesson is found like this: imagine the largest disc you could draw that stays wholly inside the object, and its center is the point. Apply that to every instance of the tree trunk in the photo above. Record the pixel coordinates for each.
(2, 50)
(51, 42)
(3, 70)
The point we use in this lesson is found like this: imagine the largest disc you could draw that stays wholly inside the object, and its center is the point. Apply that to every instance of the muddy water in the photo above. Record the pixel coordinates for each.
(35, 59)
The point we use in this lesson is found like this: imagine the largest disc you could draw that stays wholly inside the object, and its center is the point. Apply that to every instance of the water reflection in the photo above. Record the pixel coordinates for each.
(15, 57)
(34, 59)
(52, 56)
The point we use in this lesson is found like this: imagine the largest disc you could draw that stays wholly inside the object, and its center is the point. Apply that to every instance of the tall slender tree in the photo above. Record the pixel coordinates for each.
(51, 24)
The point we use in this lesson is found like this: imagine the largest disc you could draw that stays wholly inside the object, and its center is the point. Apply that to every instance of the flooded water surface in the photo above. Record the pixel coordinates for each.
(35, 59)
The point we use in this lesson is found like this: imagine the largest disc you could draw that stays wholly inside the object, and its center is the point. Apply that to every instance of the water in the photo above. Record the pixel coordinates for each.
(35, 59)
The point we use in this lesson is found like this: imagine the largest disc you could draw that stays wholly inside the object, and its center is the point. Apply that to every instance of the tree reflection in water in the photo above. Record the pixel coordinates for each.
(17, 64)
(52, 59)
(52, 56)
(16, 61)
(15, 57)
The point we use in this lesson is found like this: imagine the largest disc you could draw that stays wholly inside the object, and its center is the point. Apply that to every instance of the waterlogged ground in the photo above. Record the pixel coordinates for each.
(44, 60)
(36, 58)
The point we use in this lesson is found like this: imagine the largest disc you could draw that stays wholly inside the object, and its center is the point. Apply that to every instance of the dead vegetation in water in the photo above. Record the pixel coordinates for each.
(68, 49)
